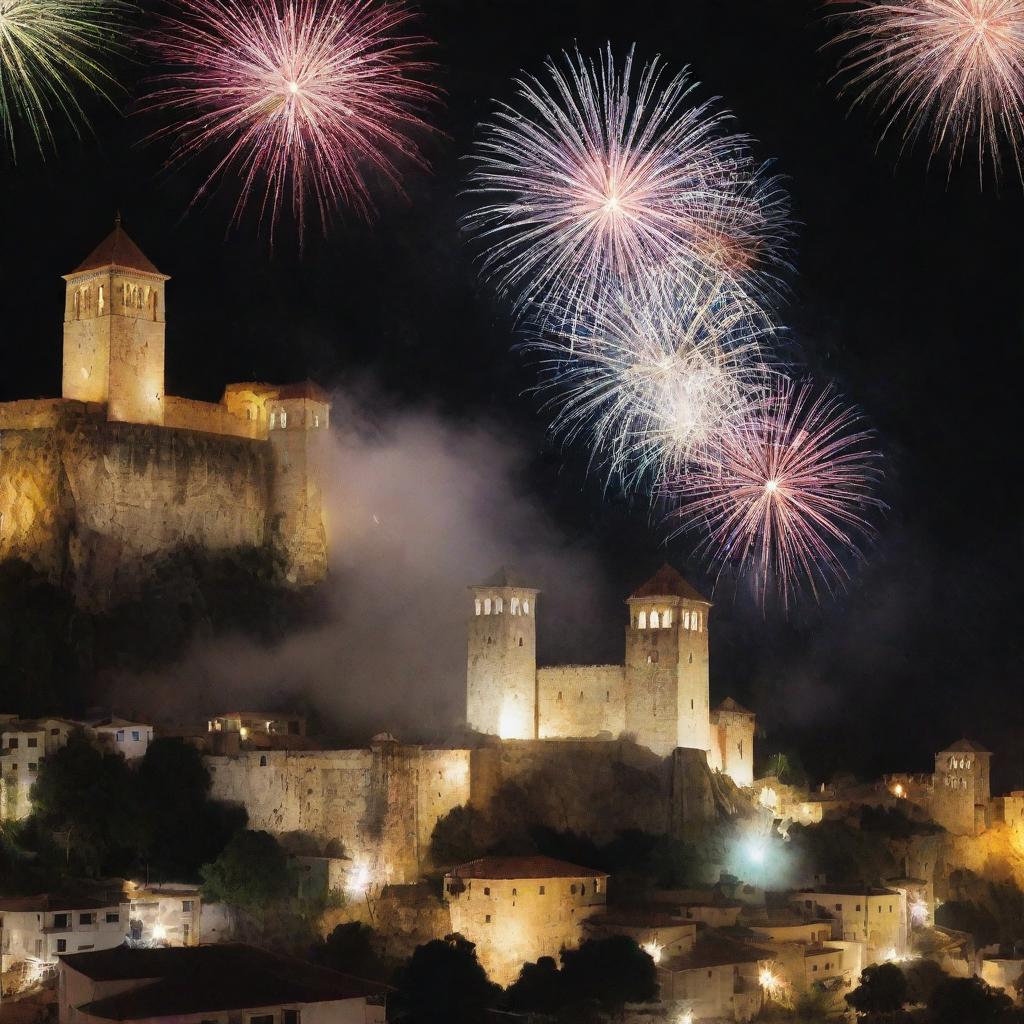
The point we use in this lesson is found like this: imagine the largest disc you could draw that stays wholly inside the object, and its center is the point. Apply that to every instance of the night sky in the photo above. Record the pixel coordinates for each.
(907, 293)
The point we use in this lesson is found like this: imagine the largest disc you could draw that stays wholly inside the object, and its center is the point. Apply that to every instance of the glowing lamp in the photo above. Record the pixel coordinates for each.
(159, 933)
(653, 950)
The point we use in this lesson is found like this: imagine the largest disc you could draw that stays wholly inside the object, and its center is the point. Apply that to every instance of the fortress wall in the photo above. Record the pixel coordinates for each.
(581, 700)
(140, 491)
(34, 511)
(381, 804)
(40, 413)
(209, 417)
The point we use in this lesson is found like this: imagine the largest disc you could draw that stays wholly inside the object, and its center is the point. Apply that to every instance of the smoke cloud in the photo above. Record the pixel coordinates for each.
(418, 508)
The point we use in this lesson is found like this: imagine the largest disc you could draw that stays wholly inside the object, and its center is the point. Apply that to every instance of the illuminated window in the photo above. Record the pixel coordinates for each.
(487, 606)
(284, 419)
(652, 658)
(641, 621)
(513, 606)
(478, 606)
(526, 607)
(102, 301)
(273, 420)
(654, 620)
(666, 618)
(499, 605)
(686, 619)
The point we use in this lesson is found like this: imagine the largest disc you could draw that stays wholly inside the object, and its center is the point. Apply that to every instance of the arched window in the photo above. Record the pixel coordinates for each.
(666, 618)
(654, 619)
(499, 605)
(526, 607)
(641, 622)
(686, 619)
(477, 603)
(487, 606)
(520, 641)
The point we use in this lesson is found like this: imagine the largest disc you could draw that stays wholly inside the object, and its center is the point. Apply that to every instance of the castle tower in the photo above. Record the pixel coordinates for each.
(114, 321)
(667, 692)
(732, 741)
(299, 425)
(501, 674)
(961, 789)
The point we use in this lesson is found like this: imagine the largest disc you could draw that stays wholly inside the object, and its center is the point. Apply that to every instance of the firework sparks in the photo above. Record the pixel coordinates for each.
(664, 368)
(607, 176)
(951, 69)
(47, 49)
(786, 495)
(297, 97)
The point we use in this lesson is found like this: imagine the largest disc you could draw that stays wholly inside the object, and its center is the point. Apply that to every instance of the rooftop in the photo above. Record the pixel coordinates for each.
(669, 582)
(117, 250)
(208, 979)
(847, 890)
(50, 902)
(965, 746)
(734, 707)
(716, 950)
(523, 867)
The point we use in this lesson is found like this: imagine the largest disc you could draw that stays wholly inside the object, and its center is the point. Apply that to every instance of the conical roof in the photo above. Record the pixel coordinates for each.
(669, 582)
(117, 250)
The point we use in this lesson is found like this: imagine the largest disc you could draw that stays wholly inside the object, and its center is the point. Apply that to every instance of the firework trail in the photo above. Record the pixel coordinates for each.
(605, 176)
(47, 49)
(297, 98)
(787, 495)
(949, 69)
(657, 375)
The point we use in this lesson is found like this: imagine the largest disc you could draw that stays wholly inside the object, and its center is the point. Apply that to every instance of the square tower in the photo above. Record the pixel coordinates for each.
(501, 670)
(961, 789)
(667, 688)
(114, 322)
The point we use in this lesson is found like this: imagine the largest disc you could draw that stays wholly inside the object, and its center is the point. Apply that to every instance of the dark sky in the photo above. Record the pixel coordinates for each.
(907, 293)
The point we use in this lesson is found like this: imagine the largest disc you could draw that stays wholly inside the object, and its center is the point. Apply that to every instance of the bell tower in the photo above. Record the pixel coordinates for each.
(667, 688)
(501, 672)
(114, 322)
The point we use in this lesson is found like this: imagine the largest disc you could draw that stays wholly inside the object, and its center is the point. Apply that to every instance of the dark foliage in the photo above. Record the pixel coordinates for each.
(349, 949)
(251, 873)
(993, 912)
(882, 990)
(443, 983)
(963, 1000)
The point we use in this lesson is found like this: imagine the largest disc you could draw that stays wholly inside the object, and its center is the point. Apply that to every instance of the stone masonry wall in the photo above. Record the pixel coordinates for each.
(581, 700)
(381, 803)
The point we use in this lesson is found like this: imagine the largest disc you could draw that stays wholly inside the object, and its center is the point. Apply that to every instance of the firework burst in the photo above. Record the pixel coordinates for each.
(949, 69)
(605, 176)
(297, 98)
(49, 48)
(787, 495)
(664, 368)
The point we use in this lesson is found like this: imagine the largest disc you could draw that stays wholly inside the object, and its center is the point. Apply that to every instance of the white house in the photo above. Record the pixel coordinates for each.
(221, 984)
(121, 735)
(42, 928)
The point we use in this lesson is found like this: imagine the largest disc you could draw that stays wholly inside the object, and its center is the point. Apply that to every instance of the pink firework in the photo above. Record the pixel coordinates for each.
(949, 69)
(296, 97)
(787, 495)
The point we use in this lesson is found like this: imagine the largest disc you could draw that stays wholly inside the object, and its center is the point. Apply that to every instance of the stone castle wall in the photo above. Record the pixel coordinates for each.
(581, 701)
(91, 502)
(380, 803)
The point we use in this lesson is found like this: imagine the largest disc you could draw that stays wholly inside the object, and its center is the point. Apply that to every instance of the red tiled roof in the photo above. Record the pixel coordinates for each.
(523, 867)
(669, 582)
(117, 250)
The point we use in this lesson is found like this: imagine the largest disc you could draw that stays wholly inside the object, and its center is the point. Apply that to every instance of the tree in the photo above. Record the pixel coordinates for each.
(538, 989)
(444, 983)
(183, 827)
(959, 1000)
(349, 949)
(882, 990)
(251, 873)
(923, 976)
(459, 836)
(90, 798)
(614, 971)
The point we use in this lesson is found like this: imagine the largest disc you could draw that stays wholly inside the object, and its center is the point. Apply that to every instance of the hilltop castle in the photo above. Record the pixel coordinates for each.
(660, 695)
(115, 471)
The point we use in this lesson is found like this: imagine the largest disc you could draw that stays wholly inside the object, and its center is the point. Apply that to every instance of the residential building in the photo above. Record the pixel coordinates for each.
(41, 928)
(655, 929)
(121, 736)
(163, 914)
(874, 917)
(518, 909)
(222, 984)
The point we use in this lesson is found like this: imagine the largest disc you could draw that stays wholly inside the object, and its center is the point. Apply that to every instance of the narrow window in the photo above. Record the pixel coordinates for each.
(513, 606)
(559, 694)
(273, 420)
(654, 620)
(477, 603)
(102, 301)
(284, 419)
(499, 605)
(135, 735)
(120, 735)
(487, 890)
(686, 619)
(641, 622)
(542, 890)
(487, 606)
(666, 618)
(62, 945)
(526, 607)
(520, 641)
(263, 760)
(487, 919)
